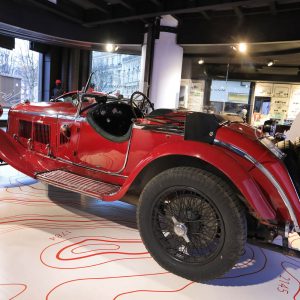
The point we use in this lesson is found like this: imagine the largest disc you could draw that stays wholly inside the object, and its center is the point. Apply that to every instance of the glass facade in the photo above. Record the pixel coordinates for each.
(116, 73)
(19, 74)
(229, 96)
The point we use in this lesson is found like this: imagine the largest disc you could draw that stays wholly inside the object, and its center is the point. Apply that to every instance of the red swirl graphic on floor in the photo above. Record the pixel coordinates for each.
(90, 249)
(8, 289)
(63, 255)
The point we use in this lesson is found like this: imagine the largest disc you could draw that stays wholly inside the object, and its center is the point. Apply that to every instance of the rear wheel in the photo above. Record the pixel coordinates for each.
(191, 223)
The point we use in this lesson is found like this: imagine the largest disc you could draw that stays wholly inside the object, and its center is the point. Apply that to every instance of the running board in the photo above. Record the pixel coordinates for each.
(275, 248)
(79, 184)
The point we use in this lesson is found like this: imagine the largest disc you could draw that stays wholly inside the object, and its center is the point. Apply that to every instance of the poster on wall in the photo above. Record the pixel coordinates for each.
(294, 106)
(264, 89)
(279, 108)
(281, 91)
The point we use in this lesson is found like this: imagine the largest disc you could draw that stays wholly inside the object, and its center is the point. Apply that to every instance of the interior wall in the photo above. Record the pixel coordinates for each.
(70, 65)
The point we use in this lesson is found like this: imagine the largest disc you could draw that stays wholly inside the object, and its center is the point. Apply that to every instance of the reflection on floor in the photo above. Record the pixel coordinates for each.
(60, 245)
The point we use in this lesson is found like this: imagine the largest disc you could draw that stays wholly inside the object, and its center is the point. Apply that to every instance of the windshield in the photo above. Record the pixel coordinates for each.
(115, 73)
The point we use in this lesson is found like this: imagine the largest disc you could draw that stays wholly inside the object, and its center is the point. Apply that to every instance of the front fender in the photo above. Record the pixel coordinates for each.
(221, 159)
(14, 154)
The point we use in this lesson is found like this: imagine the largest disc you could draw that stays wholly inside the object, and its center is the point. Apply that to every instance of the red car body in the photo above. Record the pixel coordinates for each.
(45, 137)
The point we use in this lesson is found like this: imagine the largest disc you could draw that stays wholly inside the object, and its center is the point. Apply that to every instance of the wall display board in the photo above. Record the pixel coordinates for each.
(279, 108)
(284, 102)
(264, 89)
(280, 101)
(294, 105)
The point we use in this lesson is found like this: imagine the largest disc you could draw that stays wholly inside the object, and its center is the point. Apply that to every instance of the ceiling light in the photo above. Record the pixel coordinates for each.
(270, 63)
(242, 47)
(111, 47)
(201, 61)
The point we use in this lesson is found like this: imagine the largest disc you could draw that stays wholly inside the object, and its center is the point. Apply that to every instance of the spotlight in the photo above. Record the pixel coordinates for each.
(201, 61)
(270, 63)
(111, 47)
(242, 47)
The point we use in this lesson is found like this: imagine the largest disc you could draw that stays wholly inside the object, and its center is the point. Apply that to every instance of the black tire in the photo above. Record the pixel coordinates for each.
(206, 246)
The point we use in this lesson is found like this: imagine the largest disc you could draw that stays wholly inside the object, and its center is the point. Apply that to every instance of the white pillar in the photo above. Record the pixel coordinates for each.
(166, 69)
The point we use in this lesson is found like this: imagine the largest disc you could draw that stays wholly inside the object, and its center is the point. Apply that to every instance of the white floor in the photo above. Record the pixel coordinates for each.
(60, 245)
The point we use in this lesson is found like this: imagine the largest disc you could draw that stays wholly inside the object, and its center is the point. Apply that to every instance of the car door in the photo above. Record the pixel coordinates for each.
(96, 151)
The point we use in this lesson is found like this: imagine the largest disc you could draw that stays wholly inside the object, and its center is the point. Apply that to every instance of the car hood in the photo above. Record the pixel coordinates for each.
(45, 108)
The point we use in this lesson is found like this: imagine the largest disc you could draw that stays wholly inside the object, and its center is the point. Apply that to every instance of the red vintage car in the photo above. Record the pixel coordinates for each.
(203, 183)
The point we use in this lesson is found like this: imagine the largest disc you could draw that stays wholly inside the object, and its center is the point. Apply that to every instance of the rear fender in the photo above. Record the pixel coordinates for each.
(14, 154)
(221, 159)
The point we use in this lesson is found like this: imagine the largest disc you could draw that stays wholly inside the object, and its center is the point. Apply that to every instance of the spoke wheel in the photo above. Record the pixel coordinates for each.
(192, 223)
(188, 226)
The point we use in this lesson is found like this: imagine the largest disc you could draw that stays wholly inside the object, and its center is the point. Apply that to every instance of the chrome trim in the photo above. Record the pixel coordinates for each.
(66, 117)
(58, 115)
(270, 177)
(35, 113)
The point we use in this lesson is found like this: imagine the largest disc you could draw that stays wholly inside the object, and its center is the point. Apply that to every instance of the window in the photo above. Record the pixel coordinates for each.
(19, 69)
(229, 96)
(120, 76)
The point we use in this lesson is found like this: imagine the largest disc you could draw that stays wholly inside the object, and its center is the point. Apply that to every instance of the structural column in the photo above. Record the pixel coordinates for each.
(166, 65)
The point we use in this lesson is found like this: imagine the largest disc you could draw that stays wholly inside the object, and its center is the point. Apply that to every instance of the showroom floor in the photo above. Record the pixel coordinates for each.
(60, 245)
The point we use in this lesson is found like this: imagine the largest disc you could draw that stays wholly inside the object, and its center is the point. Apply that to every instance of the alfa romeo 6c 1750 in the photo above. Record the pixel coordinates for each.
(203, 184)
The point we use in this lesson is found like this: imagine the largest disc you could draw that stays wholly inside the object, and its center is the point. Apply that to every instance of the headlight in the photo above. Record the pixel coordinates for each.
(272, 147)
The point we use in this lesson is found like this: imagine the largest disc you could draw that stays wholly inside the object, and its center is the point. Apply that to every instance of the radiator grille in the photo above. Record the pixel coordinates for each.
(25, 128)
(42, 133)
(63, 139)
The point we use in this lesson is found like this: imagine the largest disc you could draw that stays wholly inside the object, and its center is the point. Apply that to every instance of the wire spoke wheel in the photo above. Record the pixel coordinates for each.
(192, 223)
(198, 232)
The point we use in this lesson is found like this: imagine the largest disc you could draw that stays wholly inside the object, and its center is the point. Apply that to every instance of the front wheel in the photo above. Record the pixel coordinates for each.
(192, 223)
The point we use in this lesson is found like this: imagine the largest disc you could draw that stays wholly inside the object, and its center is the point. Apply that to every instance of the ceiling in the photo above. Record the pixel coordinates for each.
(285, 57)
(207, 29)
(200, 21)
(93, 13)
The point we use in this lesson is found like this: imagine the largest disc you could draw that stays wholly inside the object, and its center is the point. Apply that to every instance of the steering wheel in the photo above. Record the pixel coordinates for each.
(140, 101)
(99, 101)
